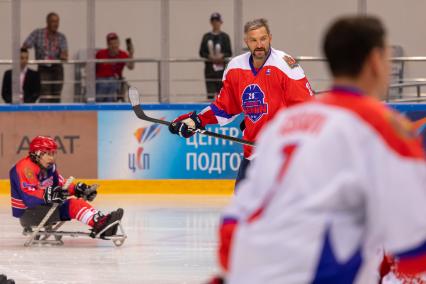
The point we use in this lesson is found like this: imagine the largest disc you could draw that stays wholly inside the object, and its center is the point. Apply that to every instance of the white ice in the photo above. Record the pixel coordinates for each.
(171, 239)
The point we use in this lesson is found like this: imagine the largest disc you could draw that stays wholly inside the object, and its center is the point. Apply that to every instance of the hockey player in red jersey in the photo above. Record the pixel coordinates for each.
(336, 182)
(36, 185)
(257, 83)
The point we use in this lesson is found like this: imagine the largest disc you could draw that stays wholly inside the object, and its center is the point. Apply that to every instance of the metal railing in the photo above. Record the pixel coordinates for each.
(161, 82)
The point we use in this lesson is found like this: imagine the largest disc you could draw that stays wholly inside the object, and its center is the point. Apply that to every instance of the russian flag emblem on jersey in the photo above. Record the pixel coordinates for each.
(253, 102)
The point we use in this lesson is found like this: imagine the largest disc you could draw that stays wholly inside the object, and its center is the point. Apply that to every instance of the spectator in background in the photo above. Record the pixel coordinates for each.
(4, 280)
(109, 75)
(49, 44)
(215, 46)
(29, 82)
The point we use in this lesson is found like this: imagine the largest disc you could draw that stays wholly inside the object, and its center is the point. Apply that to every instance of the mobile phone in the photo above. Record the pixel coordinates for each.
(129, 44)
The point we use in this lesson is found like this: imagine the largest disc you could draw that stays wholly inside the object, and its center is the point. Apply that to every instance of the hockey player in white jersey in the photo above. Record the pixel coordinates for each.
(336, 181)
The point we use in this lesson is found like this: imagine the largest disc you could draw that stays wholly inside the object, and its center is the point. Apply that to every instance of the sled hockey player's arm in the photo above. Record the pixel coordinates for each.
(79, 189)
(62, 182)
(32, 192)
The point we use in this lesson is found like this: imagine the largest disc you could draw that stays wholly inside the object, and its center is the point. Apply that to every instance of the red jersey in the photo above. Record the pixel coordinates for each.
(258, 93)
(28, 182)
(105, 70)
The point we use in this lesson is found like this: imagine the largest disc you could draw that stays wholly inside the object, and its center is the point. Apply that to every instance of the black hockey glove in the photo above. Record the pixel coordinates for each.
(55, 194)
(186, 125)
(85, 191)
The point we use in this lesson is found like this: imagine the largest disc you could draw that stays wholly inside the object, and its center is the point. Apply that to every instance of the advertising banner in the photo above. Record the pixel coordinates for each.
(130, 148)
(75, 132)
(417, 114)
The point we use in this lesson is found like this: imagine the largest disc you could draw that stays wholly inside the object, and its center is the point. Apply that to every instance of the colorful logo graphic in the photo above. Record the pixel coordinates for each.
(420, 125)
(143, 135)
(253, 102)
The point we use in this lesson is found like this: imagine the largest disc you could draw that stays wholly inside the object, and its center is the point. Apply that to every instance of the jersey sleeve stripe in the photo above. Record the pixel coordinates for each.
(420, 250)
(219, 112)
(229, 220)
(222, 116)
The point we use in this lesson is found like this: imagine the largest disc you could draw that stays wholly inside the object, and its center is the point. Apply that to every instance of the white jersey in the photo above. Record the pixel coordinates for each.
(335, 183)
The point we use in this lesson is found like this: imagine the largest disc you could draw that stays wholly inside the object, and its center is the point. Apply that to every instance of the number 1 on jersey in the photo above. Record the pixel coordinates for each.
(287, 152)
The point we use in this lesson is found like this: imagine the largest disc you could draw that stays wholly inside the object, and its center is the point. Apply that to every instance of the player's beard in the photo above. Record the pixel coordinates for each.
(260, 53)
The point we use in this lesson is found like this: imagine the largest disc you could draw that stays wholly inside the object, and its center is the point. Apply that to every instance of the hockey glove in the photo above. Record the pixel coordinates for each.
(186, 125)
(55, 194)
(85, 191)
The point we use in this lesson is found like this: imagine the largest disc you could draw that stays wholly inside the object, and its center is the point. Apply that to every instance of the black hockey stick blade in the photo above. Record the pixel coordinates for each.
(135, 100)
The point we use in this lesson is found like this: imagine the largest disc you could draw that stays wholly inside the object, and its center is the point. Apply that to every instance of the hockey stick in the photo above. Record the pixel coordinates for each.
(47, 216)
(135, 100)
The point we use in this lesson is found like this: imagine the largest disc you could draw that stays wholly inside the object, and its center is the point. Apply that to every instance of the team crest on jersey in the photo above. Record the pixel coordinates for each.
(291, 62)
(253, 104)
(29, 174)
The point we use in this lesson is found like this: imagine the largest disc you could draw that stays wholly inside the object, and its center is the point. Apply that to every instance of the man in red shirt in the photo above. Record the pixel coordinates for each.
(108, 75)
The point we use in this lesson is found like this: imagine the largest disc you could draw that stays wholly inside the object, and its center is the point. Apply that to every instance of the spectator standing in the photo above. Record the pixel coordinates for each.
(29, 82)
(215, 46)
(109, 75)
(49, 44)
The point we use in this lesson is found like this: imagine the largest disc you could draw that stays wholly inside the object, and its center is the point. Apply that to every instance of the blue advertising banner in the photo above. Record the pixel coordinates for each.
(130, 148)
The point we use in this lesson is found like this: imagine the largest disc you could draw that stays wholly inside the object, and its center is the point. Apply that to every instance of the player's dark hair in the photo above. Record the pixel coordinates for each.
(23, 49)
(256, 24)
(349, 41)
(51, 14)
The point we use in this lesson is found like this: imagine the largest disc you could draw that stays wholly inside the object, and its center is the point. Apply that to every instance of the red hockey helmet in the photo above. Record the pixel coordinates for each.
(43, 144)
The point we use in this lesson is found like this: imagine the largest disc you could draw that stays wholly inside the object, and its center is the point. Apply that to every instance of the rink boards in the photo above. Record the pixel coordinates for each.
(107, 141)
(109, 144)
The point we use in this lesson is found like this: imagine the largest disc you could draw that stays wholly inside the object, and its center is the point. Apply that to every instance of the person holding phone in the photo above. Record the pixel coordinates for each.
(110, 75)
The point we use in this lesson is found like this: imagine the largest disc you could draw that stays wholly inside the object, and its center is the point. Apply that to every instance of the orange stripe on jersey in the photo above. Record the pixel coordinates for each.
(397, 132)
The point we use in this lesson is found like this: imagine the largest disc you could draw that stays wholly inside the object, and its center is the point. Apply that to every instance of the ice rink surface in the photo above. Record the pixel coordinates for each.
(171, 239)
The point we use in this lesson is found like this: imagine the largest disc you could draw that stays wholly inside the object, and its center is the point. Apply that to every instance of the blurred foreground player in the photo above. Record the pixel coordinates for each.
(257, 83)
(36, 185)
(336, 181)
(4, 280)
